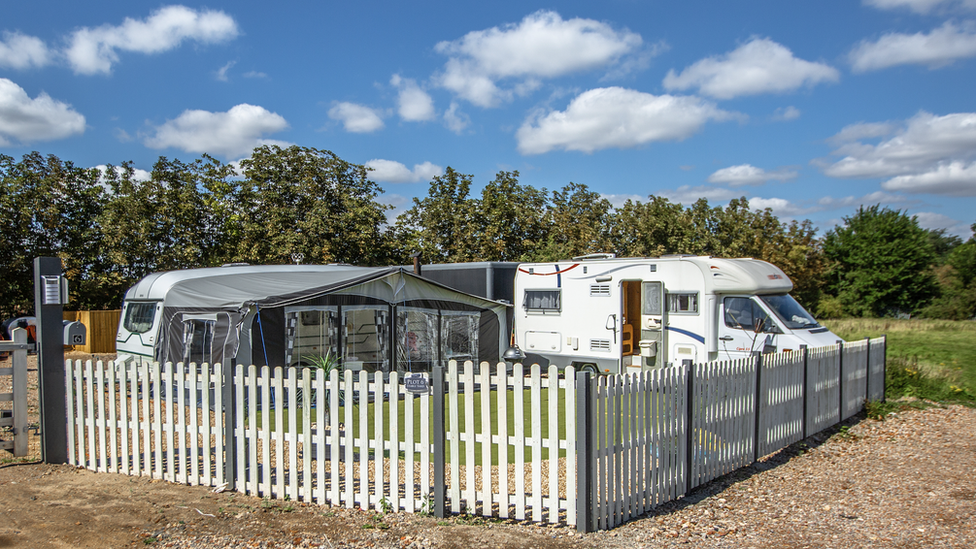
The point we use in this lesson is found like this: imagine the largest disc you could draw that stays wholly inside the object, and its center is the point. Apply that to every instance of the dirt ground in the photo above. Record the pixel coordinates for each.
(906, 482)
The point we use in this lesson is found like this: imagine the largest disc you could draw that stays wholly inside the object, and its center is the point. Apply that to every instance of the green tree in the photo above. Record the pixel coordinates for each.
(579, 222)
(311, 202)
(50, 207)
(880, 263)
(440, 226)
(510, 218)
(957, 282)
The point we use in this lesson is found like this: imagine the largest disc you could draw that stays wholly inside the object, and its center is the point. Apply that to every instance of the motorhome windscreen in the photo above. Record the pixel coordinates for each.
(793, 315)
(139, 317)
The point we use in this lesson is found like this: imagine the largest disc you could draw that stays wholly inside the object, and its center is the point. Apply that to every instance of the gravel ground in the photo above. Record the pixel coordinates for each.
(907, 481)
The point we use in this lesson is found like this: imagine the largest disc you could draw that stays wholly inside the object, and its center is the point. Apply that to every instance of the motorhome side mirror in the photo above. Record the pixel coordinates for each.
(760, 324)
(75, 333)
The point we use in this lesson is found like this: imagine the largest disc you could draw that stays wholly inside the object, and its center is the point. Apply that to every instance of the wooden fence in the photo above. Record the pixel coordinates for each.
(13, 416)
(102, 328)
(552, 446)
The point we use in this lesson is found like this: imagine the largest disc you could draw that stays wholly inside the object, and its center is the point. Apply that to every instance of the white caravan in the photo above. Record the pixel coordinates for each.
(614, 315)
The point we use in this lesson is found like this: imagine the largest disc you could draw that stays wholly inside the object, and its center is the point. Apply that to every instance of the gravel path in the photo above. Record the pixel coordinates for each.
(908, 481)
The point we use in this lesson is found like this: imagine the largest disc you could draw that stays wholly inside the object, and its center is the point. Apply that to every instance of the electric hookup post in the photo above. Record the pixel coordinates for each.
(50, 295)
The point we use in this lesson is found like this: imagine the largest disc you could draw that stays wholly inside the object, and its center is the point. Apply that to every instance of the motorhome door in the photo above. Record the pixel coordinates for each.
(744, 327)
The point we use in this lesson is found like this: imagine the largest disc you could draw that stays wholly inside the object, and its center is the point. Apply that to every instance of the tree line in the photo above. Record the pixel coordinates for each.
(111, 228)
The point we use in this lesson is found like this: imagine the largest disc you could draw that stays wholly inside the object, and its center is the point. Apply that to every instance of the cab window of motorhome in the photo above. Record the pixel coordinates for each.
(683, 303)
(793, 315)
(744, 313)
(542, 301)
(139, 317)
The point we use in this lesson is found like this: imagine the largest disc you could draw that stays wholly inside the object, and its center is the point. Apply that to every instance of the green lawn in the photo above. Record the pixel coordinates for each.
(940, 350)
(401, 418)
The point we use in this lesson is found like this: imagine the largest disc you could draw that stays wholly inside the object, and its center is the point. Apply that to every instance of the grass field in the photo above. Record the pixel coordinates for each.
(418, 418)
(933, 359)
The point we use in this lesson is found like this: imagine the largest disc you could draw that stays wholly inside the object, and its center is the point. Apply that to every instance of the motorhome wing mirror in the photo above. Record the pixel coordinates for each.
(760, 324)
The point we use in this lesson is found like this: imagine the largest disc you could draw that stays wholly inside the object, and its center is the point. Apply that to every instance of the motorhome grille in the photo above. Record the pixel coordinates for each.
(600, 290)
(600, 345)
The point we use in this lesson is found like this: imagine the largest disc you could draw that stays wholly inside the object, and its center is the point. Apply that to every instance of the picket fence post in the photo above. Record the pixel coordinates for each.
(440, 485)
(758, 406)
(584, 440)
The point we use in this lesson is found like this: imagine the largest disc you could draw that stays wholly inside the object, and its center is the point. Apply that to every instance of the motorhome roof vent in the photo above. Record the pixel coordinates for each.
(236, 265)
(594, 256)
(653, 267)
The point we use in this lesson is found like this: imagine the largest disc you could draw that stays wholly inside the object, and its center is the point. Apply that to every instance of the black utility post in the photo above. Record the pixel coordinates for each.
(50, 294)
(585, 521)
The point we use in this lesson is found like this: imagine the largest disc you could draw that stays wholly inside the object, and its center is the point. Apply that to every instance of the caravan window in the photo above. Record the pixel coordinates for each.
(198, 339)
(683, 303)
(542, 301)
(416, 339)
(139, 317)
(459, 335)
(310, 332)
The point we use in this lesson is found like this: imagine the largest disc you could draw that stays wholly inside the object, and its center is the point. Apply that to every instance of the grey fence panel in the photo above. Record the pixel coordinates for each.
(876, 369)
(781, 401)
(823, 397)
(855, 363)
(723, 418)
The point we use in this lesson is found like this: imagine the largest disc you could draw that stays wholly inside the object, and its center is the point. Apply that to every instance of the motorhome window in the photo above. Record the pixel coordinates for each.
(139, 317)
(542, 301)
(683, 303)
(651, 298)
(793, 315)
(198, 340)
(743, 313)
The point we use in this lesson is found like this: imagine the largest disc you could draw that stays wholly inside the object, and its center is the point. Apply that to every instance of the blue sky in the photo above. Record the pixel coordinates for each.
(809, 108)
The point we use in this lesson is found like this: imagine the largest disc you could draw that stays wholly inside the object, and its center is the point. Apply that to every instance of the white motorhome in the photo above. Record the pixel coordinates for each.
(613, 315)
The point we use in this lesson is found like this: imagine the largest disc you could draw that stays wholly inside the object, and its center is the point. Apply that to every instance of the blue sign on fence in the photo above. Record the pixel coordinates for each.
(416, 383)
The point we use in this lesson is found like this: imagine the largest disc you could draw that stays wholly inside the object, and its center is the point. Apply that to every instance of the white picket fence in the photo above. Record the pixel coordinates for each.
(13, 416)
(529, 444)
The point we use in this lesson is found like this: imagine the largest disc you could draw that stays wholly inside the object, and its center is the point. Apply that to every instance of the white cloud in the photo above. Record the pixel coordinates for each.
(455, 119)
(230, 134)
(19, 51)
(784, 114)
(94, 50)
(922, 6)
(936, 49)
(137, 174)
(541, 46)
(356, 118)
(747, 174)
(390, 171)
(933, 221)
(255, 74)
(616, 117)
(928, 154)
(26, 120)
(877, 197)
(686, 194)
(414, 104)
(759, 66)
(618, 200)
(862, 130)
(400, 204)
(953, 179)
(222, 71)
